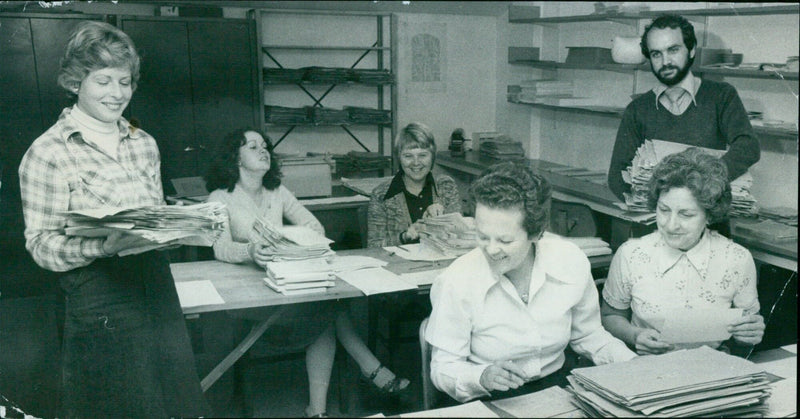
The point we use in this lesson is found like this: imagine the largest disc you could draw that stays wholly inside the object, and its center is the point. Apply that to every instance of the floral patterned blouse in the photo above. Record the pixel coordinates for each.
(652, 279)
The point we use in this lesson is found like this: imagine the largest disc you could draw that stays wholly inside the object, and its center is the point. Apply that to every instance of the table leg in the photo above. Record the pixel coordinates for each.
(241, 349)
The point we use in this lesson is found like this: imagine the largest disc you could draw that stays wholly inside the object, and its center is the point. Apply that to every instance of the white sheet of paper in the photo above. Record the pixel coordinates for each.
(783, 400)
(416, 252)
(791, 348)
(784, 367)
(699, 325)
(474, 409)
(550, 402)
(420, 278)
(375, 281)
(198, 293)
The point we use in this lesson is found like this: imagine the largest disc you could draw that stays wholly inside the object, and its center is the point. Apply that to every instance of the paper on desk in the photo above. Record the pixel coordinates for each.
(791, 348)
(416, 252)
(699, 325)
(783, 401)
(375, 281)
(334, 200)
(548, 403)
(420, 278)
(474, 409)
(198, 293)
(784, 367)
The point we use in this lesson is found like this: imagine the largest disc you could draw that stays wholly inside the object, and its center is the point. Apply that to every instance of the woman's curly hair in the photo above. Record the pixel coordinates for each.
(512, 185)
(224, 170)
(704, 175)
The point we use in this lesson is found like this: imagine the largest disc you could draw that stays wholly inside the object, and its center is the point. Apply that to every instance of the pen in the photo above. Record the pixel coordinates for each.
(400, 246)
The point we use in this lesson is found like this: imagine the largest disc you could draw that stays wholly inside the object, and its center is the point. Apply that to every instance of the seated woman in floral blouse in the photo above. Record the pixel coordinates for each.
(682, 265)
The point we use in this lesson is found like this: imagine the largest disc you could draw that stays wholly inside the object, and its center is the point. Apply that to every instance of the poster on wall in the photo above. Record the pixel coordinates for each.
(424, 46)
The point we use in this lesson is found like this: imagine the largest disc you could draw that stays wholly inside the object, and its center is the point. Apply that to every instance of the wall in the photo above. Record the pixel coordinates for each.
(586, 140)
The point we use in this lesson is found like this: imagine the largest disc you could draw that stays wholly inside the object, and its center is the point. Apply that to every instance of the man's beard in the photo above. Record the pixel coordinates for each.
(680, 73)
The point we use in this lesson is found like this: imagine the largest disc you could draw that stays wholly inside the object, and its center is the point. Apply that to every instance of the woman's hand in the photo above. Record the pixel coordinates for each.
(433, 210)
(748, 329)
(258, 253)
(502, 376)
(648, 343)
(411, 233)
(119, 241)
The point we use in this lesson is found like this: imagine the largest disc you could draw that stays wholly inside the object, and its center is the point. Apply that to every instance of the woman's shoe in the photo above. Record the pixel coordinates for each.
(386, 382)
(318, 415)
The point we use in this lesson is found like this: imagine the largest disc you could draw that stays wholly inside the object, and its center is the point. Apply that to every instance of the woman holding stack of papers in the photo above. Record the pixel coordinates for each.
(246, 178)
(684, 269)
(504, 313)
(126, 350)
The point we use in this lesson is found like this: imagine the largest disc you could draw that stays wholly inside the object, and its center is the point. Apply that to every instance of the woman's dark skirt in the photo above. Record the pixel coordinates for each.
(126, 348)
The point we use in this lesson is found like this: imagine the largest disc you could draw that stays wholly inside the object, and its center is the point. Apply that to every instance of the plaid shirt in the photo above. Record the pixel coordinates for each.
(62, 172)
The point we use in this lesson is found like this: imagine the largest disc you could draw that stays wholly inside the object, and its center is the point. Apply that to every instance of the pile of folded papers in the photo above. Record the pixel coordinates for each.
(289, 242)
(327, 116)
(358, 115)
(372, 76)
(286, 115)
(683, 383)
(592, 246)
(300, 276)
(531, 91)
(356, 162)
(783, 215)
(449, 234)
(164, 225)
(328, 74)
(502, 147)
(651, 152)
(283, 75)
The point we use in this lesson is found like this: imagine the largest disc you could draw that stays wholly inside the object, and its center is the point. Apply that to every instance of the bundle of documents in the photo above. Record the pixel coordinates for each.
(502, 147)
(690, 382)
(531, 91)
(359, 115)
(283, 75)
(651, 152)
(322, 115)
(372, 76)
(285, 115)
(328, 74)
(784, 215)
(289, 242)
(592, 246)
(449, 234)
(164, 225)
(361, 161)
(300, 277)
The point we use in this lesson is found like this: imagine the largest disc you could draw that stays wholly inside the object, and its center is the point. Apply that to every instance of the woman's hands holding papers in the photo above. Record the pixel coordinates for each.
(648, 343)
(433, 210)
(748, 329)
(502, 376)
(258, 253)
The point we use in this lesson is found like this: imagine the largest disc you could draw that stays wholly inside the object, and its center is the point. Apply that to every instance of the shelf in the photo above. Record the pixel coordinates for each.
(751, 74)
(617, 112)
(552, 65)
(728, 11)
(265, 48)
(327, 124)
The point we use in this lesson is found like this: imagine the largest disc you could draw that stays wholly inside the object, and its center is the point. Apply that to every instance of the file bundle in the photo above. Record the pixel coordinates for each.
(449, 234)
(289, 242)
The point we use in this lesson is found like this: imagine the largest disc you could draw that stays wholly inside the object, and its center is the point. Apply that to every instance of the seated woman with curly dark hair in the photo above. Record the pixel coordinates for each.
(683, 264)
(504, 313)
(246, 178)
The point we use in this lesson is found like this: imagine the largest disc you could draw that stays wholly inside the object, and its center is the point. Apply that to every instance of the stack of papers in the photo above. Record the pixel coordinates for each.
(651, 152)
(290, 242)
(164, 225)
(592, 246)
(449, 234)
(784, 215)
(692, 382)
(502, 147)
(532, 91)
(300, 276)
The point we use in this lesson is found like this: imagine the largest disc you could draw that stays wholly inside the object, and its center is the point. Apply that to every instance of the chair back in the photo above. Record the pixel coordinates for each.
(429, 392)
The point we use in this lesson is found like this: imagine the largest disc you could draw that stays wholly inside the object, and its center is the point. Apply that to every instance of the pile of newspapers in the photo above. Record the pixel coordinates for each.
(163, 225)
(449, 234)
(289, 242)
(651, 152)
(684, 383)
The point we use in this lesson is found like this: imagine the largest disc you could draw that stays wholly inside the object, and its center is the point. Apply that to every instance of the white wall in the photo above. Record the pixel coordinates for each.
(586, 140)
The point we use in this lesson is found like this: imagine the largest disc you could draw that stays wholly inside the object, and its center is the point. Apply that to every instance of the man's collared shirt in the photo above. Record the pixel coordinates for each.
(687, 89)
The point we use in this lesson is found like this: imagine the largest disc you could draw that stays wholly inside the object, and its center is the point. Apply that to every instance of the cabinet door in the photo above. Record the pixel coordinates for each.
(224, 82)
(162, 102)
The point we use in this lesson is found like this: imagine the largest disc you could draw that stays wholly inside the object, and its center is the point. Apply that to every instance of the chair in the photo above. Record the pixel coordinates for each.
(429, 393)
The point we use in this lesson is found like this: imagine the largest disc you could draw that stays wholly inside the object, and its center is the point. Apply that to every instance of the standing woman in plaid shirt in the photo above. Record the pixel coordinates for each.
(126, 350)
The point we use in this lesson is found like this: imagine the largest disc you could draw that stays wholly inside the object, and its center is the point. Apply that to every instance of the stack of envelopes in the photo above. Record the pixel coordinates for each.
(692, 382)
(164, 225)
(449, 234)
(290, 242)
(651, 152)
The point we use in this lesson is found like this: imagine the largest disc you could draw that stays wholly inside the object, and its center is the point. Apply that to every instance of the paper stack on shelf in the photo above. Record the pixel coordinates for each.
(328, 74)
(361, 162)
(371, 76)
(592, 246)
(359, 115)
(290, 242)
(531, 91)
(449, 234)
(322, 115)
(502, 147)
(164, 225)
(285, 115)
(683, 383)
(651, 152)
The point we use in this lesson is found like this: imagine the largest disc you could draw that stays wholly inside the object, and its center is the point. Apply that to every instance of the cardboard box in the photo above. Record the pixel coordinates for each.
(307, 177)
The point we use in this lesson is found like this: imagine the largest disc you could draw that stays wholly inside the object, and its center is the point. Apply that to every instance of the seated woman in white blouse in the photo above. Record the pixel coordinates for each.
(683, 265)
(504, 313)
(246, 178)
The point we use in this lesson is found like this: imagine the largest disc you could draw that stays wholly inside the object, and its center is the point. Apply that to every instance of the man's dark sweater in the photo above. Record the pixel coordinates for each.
(719, 121)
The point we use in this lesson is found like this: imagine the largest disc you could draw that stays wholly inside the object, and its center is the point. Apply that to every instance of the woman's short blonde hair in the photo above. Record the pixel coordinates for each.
(415, 135)
(93, 46)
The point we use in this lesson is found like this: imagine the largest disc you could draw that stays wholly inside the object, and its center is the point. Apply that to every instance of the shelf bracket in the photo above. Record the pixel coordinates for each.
(356, 138)
(284, 135)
